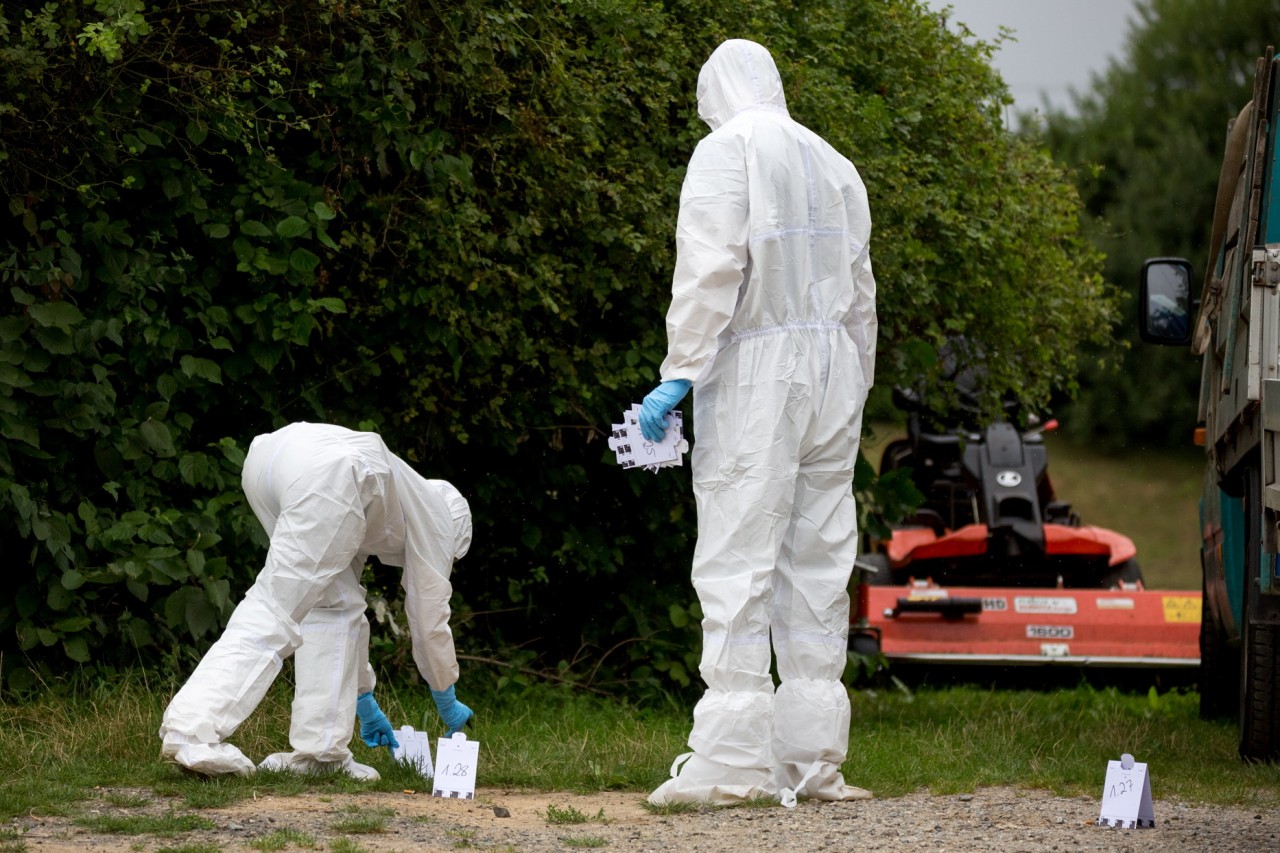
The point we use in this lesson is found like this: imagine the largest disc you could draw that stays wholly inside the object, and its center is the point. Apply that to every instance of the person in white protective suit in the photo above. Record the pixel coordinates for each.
(328, 498)
(773, 323)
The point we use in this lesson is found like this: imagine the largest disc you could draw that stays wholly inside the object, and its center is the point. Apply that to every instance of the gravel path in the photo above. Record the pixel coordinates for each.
(990, 820)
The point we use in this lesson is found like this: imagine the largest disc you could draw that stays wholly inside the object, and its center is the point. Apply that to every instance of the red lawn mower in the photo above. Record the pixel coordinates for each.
(994, 569)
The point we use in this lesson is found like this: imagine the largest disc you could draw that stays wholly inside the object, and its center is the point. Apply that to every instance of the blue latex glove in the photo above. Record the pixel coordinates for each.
(658, 404)
(454, 713)
(375, 728)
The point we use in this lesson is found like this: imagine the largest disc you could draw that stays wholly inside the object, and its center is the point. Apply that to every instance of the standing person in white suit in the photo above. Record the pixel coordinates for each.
(328, 498)
(773, 323)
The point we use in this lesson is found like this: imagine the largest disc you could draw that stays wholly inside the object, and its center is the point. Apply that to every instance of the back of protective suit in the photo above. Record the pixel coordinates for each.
(774, 223)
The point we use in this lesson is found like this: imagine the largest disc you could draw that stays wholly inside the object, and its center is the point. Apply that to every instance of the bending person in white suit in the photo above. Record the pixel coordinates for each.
(329, 498)
(773, 324)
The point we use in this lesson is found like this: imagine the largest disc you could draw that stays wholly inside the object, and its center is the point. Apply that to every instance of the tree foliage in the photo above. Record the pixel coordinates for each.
(1146, 147)
(450, 223)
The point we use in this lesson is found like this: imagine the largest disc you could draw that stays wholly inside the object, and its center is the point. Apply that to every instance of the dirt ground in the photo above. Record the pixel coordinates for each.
(991, 820)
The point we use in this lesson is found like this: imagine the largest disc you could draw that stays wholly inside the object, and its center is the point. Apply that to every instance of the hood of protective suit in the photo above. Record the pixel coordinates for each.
(740, 75)
(460, 511)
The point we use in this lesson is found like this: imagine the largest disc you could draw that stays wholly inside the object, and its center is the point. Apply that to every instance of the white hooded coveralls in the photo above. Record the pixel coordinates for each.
(773, 319)
(328, 498)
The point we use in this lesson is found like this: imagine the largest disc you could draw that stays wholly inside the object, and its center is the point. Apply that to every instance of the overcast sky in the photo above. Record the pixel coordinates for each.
(1060, 43)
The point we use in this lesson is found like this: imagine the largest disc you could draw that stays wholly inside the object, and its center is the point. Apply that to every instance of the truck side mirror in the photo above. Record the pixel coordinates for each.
(1164, 302)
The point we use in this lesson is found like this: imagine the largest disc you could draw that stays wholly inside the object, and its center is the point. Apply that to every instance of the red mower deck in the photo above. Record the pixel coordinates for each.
(925, 623)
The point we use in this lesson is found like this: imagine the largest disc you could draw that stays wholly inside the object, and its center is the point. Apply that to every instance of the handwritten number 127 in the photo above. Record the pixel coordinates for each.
(1120, 790)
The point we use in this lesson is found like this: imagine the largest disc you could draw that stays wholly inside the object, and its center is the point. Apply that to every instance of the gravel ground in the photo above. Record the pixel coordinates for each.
(990, 820)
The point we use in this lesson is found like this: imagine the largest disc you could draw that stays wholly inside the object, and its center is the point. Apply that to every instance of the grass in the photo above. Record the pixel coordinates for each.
(360, 825)
(215, 793)
(554, 742)
(282, 838)
(461, 837)
(360, 820)
(11, 840)
(125, 799)
(569, 814)
(1151, 496)
(60, 751)
(670, 808)
(162, 825)
(964, 738)
(346, 845)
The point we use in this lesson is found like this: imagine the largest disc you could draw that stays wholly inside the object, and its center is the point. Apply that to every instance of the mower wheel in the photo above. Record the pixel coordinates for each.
(1127, 572)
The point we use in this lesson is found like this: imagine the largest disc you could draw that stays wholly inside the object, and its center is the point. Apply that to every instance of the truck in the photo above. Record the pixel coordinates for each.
(1231, 321)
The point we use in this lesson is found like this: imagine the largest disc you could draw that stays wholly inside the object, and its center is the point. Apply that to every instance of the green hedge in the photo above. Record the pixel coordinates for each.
(450, 223)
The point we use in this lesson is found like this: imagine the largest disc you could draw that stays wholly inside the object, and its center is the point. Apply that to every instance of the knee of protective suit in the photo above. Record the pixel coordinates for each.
(739, 663)
(232, 677)
(258, 617)
(811, 655)
(227, 685)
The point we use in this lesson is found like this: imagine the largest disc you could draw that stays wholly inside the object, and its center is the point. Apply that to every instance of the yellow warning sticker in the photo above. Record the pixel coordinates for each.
(1181, 608)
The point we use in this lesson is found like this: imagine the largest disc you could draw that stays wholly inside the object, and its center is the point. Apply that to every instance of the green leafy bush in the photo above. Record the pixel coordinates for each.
(449, 223)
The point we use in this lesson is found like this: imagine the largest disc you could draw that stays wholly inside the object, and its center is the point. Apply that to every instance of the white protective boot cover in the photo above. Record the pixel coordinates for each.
(292, 762)
(695, 779)
(210, 759)
(729, 763)
(811, 745)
